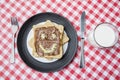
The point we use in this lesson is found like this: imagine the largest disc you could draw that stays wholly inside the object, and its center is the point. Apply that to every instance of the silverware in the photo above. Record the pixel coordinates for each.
(82, 58)
(14, 24)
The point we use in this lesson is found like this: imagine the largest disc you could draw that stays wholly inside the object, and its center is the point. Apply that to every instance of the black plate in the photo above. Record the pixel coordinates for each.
(40, 66)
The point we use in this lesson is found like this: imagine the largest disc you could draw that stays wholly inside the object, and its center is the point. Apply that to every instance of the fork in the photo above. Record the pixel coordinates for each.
(14, 24)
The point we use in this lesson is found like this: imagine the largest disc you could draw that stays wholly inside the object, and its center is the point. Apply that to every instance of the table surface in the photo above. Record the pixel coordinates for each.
(100, 63)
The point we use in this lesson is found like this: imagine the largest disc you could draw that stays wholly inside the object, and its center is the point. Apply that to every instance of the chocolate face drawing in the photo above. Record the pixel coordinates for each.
(47, 41)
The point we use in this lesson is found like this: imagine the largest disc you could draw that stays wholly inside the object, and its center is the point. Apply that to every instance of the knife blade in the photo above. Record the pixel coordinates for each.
(82, 29)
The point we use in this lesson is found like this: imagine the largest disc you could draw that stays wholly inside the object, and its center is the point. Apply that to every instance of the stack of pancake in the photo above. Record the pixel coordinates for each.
(48, 40)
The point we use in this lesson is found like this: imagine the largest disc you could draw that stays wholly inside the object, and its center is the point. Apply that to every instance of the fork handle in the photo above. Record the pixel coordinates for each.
(12, 56)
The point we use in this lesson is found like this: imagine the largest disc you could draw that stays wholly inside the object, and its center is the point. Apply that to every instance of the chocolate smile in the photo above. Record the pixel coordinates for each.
(48, 50)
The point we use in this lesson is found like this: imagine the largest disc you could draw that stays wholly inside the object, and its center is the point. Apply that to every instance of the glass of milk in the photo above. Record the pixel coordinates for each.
(104, 35)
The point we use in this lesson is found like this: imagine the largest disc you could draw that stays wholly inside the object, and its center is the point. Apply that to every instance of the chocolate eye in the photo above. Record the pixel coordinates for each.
(43, 36)
(53, 36)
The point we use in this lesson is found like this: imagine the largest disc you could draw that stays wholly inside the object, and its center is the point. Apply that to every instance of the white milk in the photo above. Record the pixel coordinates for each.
(104, 35)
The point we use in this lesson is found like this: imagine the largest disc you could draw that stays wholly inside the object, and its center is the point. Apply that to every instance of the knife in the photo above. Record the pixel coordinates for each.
(82, 29)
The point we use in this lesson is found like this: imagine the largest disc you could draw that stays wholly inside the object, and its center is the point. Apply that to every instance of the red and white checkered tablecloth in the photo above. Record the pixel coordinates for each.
(101, 64)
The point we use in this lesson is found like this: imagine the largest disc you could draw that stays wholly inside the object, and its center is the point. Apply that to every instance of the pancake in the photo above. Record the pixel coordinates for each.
(48, 40)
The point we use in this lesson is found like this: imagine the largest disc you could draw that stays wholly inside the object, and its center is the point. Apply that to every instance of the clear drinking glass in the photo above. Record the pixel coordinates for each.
(104, 35)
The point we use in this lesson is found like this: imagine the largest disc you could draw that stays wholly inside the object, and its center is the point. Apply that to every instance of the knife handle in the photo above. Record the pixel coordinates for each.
(82, 58)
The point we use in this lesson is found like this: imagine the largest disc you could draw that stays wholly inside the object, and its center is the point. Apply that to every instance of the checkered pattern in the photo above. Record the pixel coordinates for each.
(101, 64)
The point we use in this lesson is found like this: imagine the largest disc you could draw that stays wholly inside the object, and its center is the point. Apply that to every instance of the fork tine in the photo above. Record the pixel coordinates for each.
(14, 21)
